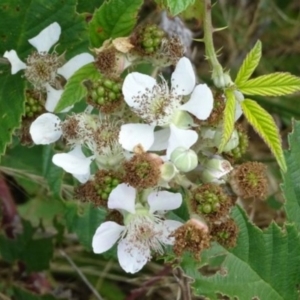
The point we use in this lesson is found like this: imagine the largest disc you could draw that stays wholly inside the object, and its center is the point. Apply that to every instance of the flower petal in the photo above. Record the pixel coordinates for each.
(53, 97)
(201, 102)
(15, 61)
(132, 135)
(74, 64)
(73, 162)
(122, 197)
(82, 178)
(45, 129)
(180, 138)
(46, 38)
(161, 138)
(168, 227)
(132, 257)
(164, 200)
(183, 79)
(135, 85)
(106, 236)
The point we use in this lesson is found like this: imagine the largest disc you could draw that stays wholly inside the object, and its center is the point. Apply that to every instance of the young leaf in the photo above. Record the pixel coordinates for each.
(276, 84)
(115, 18)
(248, 271)
(290, 186)
(249, 64)
(265, 126)
(178, 6)
(75, 90)
(228, 125)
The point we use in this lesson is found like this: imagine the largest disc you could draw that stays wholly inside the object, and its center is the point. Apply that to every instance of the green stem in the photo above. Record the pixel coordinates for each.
(217, 70)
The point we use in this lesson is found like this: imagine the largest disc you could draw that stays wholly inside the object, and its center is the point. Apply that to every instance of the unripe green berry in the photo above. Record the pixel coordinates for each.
(100, 91)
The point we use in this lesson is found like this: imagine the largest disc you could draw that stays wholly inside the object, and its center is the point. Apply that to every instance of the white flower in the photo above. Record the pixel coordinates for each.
(74, 162)
(42, 68)
(144, 230)
(159, 105)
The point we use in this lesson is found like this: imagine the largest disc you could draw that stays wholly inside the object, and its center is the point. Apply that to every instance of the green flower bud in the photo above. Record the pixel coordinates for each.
(184, 159)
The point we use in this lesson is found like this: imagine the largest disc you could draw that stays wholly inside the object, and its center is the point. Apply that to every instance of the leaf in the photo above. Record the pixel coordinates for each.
(249, 64)
(229, 113)
(34, 252)
(263, 265)
(115, 18)
(74, 90)
(178, 6)
(265, 126)
(84, 6)
(51, 172)
(291, 178)
(276, 84)
(21, 294)
(21, 20)
(85, 224)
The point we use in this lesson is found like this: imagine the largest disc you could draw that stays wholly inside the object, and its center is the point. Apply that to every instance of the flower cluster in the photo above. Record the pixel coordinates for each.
(141, 144)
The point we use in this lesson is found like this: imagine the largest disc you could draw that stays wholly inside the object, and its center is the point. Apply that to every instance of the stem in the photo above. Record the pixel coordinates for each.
(217, 70)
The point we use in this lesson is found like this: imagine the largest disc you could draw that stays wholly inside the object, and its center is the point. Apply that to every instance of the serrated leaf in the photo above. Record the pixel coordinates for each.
(51, 172)
(249, 64)
(276, 84)
(85, 224)
(74, 90)
(263, 265)
(265, 126)
(115, 18)
(178, 6)
(291, 178)
(228, 122)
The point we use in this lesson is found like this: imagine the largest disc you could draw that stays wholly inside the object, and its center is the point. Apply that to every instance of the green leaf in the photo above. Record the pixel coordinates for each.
(85, 224)
(249, 64)
(178, 6)
(12, 107)
(21, 294)
(265, 126)
(84, 6)
(115, 18)
(291, 178)
(34, 252)
(74, 90)
(276, 84)
(51, 172)
(228, 123)
(263, 265)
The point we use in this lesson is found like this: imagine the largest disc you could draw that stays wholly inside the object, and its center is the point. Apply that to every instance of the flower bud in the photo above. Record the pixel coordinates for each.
(168, 171)
(232, 142)
(185, 160)
(222, 81)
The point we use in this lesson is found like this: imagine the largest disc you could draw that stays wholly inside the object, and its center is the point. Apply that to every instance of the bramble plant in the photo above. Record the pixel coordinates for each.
(127, 154)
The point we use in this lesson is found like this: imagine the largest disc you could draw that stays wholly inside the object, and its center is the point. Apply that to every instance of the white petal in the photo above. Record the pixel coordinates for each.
(106, 236)
(122, 197)
(46, 38)
(132, 257)
(161, 138)
(82, 178)
(168, 227)
(135, 85)
(183, 78)
(132, 135)
(45, 129)
(74, 64)
(201, 102)
(181, 138)
(73, 162)
(164, 200)
(16, 63)
(53, 97)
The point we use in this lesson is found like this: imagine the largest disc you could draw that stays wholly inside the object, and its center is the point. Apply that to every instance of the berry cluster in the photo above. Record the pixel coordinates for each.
(151, 38)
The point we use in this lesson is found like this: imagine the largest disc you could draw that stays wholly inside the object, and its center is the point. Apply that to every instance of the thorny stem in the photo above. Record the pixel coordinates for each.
(217, 70)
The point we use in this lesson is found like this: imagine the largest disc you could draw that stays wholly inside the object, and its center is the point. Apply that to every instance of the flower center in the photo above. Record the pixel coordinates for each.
(42, 68)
